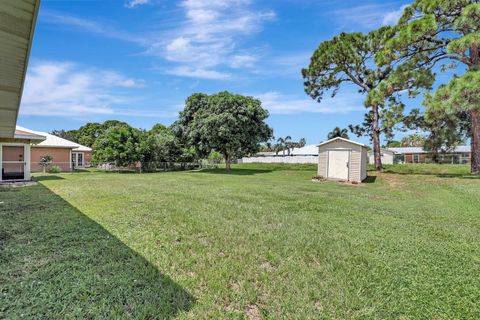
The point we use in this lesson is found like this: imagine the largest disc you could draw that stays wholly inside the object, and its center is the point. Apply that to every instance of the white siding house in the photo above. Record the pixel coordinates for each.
(342, 159)
(307, 154)
(388, 156)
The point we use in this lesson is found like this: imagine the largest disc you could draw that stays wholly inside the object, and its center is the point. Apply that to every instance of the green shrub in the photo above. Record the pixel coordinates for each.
(54, 169)
(215, 157)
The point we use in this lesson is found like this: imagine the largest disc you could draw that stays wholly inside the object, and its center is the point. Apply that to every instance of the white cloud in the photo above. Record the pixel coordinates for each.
(114, 79)
(278, 103)
(366, 16)
(209, 37)
(134, 3)
(243, 61)
(55, 17)
(185, 71)
(289, 64)
(55, 88)
(392, 17)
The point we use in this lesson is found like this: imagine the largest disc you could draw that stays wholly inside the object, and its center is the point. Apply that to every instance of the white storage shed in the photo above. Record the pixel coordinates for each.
(342, 159)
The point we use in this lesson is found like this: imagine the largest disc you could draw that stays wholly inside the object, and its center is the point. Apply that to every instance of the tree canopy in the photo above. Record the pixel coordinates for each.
(338, 132)
(231, 124)
(349, 58)
(413, 140)
(121, 145)
(431, 32)
(163, 146)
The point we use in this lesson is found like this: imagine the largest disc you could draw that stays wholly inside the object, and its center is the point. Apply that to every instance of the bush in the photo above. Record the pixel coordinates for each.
(54, 169)
(45, 161)
(215, 157)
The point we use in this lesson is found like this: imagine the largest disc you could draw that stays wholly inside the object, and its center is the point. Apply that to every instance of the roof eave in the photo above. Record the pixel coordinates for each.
(29, 137)
(27, 58)
(342, 139)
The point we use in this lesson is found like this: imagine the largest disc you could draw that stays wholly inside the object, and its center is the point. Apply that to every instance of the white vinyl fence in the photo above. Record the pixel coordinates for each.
(287, 159)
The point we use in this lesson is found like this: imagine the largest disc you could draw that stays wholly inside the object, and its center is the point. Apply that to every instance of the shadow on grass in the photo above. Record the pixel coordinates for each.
(82, 170)
(47, 177)
(233, 171)
(436, 174)
(370, 179)
(58, 263)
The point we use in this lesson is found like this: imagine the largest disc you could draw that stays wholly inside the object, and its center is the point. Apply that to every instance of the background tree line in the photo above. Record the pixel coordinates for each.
(225, 124)
(117, 142)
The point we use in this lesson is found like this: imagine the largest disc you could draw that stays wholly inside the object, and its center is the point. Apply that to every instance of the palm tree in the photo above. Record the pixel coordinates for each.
(280, 145)
(268, 146)
(337, 132)
(301, 143)
(289, 144)
(413, 140)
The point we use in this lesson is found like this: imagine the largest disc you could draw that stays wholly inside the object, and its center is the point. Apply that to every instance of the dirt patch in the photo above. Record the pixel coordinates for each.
(16, 184)
(266, 265)
(252, 312)
(235, 286)
(394, 181)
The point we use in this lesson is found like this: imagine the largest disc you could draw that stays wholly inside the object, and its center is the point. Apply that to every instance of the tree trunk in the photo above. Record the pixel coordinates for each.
(227, 162)
(475, 141)
(376, 140)
(475, 115)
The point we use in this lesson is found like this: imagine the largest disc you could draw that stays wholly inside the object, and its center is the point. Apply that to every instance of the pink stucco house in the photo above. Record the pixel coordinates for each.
(20, 155)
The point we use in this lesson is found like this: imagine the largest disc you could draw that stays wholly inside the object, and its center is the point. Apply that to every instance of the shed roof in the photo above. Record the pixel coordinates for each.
(54, 141)
(342, 139)
(17, 24)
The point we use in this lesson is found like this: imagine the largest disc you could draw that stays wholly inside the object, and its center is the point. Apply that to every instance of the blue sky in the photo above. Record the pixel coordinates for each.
(138, 60)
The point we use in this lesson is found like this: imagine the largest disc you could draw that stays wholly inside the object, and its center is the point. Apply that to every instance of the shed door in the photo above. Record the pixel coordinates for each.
(338, 164)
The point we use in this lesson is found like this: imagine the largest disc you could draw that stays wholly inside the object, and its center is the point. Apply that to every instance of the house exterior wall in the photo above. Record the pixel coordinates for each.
(452, 157)
(357, 164)
(387, 157)
(61, 157)
(88, 157)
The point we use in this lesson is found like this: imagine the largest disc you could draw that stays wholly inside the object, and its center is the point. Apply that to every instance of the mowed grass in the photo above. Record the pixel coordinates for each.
(261, 242)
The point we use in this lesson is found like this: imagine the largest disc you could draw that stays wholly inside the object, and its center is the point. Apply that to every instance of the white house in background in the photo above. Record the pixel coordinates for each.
(387, 155)
(342, 159)
(310, 150)
(307, 154)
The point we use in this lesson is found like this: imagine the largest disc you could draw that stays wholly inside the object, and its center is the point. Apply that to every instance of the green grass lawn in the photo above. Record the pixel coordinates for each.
(261, 242)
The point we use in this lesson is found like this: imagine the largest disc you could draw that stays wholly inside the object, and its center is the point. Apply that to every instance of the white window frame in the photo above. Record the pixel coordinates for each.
(416, 156)
(75, 156)
(26, 158)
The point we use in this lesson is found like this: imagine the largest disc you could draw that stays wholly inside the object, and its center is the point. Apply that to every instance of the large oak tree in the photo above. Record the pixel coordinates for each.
(228, 123)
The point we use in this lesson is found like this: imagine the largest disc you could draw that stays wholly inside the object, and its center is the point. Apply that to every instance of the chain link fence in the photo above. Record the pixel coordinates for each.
(155, 166)
(152, 166)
